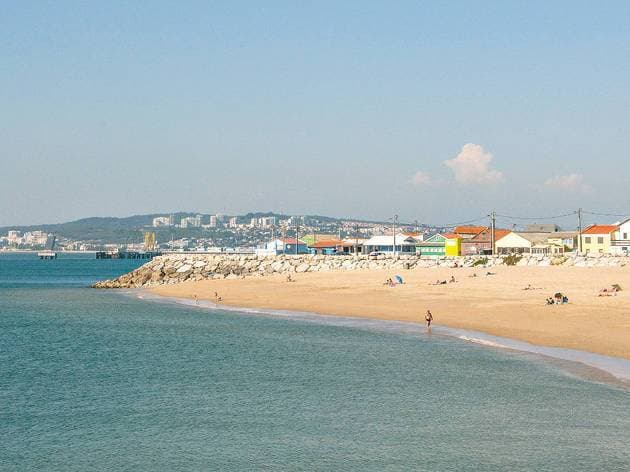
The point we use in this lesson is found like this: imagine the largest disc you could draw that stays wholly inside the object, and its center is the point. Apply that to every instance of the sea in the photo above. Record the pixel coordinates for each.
(95, 380)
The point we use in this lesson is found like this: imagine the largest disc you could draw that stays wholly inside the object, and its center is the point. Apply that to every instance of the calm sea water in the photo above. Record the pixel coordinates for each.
(96, 380)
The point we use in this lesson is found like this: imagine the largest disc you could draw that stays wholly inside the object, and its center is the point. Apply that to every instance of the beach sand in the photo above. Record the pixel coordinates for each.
(494, 304)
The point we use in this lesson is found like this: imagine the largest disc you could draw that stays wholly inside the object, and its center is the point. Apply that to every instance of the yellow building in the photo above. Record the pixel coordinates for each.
(452, 245)
(596, 238)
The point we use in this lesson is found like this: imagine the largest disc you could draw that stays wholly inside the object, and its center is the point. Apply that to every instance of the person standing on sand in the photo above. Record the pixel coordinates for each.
(196, 299)
(429, 318)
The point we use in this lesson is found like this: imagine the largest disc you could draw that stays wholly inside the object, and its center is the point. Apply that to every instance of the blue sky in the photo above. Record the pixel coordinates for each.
(346, 109)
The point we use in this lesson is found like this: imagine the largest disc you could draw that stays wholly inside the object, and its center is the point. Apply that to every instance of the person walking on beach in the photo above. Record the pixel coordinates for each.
(429, 318)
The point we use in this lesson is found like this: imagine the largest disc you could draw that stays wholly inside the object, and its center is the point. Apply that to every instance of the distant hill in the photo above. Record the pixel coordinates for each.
(98, 228)
(130, 229)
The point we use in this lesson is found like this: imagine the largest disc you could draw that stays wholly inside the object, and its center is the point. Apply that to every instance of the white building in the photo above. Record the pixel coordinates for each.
(35, 238)
(267, 221)
(524, 242)
(400, 244)
(14, 237)
(282, 246)
(213, 221)
(190, 222)
(620, 244)
(233, 222)
(161, 221)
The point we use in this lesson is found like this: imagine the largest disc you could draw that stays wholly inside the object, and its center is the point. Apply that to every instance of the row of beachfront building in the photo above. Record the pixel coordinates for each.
(468, 240)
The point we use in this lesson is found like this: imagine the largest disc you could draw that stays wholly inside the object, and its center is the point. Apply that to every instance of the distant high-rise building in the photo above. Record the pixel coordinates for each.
(233, 222)
(35, 238)
(254, 222)
(191, 222)
(13, 237)
(162, 221)
(268, 221)
(213, 221)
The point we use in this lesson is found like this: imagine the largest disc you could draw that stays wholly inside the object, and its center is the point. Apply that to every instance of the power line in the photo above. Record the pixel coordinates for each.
(605, 214)
(537, 217)
(460, 223)
(515, 219)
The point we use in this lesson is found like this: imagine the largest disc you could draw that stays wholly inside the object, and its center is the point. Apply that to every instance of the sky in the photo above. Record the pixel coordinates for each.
(435, 111)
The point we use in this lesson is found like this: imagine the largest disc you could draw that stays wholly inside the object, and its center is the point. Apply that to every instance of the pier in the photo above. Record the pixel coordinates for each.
(47, 255)
(127, 254)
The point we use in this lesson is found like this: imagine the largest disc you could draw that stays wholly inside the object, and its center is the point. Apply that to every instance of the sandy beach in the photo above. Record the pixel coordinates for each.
(494, 304)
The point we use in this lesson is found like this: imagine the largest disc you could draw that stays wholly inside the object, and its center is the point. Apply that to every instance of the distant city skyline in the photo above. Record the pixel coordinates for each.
(436, 112)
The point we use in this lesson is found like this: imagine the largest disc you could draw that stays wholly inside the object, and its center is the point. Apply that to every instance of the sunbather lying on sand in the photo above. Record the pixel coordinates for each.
(439, 282)
(609, 291)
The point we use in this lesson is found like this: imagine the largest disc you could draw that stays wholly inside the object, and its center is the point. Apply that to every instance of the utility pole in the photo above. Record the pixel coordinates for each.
(356, 240)
(579, 213)
(283, 229)
(394, 221)
(493, 225)
(297, 235)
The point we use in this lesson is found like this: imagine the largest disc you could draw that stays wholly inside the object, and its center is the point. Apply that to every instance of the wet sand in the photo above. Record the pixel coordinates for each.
(495, 304)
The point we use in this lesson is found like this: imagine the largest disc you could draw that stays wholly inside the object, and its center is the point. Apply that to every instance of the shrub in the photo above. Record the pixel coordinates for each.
(512, 259)
(559, 260)
(480, 262)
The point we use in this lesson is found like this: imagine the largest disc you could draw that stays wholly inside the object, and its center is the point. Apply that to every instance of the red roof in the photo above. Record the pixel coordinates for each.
(469, 229)
(600, 229)
(485, 234)
(451, 235)
(328, 243)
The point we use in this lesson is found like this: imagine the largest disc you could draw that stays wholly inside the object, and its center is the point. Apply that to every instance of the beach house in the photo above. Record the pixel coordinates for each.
(597, 238)
(440, 244)
(335, 246)
(468, 232)
(311, 238)
(283, 246)
(534, 242)
(566, 239)
(620, 244)
(520, 242)
(481, 243)
(403, 244)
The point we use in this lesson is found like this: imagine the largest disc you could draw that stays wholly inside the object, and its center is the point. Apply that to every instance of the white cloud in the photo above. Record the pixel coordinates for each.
(472, 166)
(421, 178)
(571, 182)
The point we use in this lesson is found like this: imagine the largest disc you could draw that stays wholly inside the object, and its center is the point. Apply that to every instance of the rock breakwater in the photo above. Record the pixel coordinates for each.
(176, 268)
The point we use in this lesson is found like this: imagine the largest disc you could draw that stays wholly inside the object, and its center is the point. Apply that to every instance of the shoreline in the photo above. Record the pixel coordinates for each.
(598, 368)
(496, 304)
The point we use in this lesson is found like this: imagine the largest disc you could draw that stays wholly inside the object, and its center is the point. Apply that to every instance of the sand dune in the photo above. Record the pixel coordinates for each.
(493, 304)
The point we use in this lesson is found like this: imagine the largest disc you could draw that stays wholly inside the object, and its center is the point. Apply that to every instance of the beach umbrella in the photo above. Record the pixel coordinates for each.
(399, 279)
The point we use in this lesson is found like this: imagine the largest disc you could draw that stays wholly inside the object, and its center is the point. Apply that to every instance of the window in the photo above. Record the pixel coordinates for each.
(600, 240)
(625, 235)
(587, 240)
